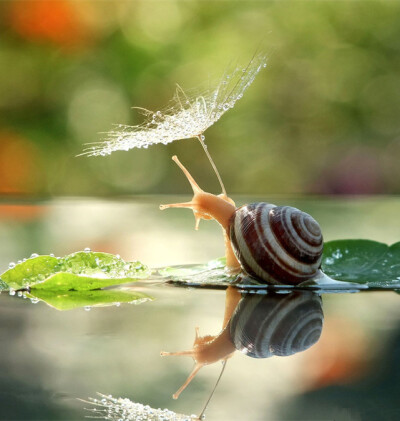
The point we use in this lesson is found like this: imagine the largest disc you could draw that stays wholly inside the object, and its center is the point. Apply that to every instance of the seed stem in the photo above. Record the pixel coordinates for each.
(201, 140)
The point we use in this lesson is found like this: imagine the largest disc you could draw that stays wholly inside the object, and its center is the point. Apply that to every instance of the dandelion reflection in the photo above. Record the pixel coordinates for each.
(116, 409)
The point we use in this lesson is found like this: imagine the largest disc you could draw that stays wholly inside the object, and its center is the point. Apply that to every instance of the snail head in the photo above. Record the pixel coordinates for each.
(204, 205)
(210, 206)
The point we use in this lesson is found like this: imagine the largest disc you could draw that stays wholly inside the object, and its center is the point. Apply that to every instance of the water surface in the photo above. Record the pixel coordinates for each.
(50, 358)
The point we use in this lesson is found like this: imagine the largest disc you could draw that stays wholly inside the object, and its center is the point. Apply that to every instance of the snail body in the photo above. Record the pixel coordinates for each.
(272, 243)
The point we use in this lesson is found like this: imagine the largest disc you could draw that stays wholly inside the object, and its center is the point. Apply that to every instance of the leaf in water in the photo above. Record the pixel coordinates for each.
(366, 262)
(102, 265)
(362, 261)
(63, 281)
(81, 270)
(68, 300)
(3, 286)
(114, 409)
(31, 271)
(212, 273)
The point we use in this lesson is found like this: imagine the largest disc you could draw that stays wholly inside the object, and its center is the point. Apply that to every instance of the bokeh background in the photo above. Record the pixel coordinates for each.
(322, 118)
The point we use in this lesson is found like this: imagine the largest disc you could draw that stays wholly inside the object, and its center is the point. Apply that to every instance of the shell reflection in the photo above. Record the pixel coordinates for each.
(276, 324)
(259, 326)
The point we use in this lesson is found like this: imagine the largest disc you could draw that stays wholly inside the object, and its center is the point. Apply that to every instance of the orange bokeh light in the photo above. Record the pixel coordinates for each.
(340, 356)
(57, 22)
(20, 171)
(21, 212)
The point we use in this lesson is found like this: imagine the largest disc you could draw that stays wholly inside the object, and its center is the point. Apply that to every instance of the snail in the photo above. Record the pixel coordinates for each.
(259, 326)
(272, 243)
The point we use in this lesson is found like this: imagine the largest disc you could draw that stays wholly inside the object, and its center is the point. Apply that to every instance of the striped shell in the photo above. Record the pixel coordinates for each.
(276, 324)
(276, 243)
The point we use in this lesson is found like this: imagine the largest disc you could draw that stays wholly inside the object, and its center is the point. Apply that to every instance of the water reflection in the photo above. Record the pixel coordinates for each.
(260, 326)
(274, 324)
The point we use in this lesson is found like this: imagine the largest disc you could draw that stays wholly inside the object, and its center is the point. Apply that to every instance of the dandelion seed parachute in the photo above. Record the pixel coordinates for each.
(188, 116)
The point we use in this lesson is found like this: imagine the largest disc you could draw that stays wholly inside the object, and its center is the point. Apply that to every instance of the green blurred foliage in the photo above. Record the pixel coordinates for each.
(322, 118)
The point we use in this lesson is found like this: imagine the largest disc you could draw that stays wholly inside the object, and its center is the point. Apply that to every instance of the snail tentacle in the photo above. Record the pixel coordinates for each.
(209, 206)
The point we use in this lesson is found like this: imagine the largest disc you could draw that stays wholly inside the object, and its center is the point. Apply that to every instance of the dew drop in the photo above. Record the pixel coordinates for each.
(202, 137)
(12, 292)
(337, 254)
(87, 308)
(33, 255)
(11, 265)
(52, 255)
(87, 250)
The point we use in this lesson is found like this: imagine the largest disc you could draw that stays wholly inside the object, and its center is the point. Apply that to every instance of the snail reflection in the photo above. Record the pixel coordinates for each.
(259, 326)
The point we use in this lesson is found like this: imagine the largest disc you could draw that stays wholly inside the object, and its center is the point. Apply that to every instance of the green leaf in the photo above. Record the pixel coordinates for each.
(365, 262)
(209, 274)
(362, 261)
(33, 270)
(3, 286)
(68, 300)
(63, 281)
(78, 271)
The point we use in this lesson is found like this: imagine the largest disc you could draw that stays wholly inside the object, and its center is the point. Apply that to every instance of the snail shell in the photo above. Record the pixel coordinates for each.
(276, 243)
(276, 324)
